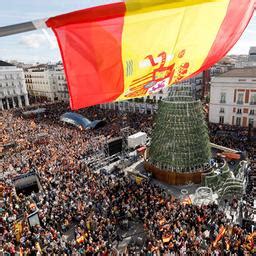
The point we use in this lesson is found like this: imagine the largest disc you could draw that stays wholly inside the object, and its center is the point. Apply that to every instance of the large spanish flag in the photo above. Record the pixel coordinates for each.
(134, 48)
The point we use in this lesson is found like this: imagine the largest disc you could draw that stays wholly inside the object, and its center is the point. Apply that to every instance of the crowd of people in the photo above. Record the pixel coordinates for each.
(233, 137)
(239, 138)
(81, 212)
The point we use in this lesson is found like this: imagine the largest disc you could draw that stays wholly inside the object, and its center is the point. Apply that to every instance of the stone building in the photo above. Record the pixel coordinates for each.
(13, 91)
(233, 98)
(47, 81)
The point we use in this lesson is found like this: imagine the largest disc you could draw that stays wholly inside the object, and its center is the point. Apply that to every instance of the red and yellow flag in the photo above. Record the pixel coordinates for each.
(137, 47)
(221, 233)
(167, 238)
(81, 238)
(187, 201)
(18, 227)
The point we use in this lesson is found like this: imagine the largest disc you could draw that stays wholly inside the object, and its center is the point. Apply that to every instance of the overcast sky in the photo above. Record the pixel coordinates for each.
(34, 46)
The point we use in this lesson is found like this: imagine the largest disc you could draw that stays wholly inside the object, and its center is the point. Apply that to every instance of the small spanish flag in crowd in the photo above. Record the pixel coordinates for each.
(138, 180)
(187, 201)
(38, 247)
(135, 48)
(167, 238)
(221, 233)
(251, 238)
(18, 227)
(81, 238)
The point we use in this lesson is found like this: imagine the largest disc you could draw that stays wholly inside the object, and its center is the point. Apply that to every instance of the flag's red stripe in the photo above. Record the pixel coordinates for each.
(97, 13)
(92, 54)
(236, 20)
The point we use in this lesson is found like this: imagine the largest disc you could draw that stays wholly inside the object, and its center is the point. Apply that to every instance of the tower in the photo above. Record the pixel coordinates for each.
(179, 150)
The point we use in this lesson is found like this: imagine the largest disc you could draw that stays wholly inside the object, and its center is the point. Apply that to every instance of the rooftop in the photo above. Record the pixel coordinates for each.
(240, 72)
(252, 50)
(45, 67)
(5, 64)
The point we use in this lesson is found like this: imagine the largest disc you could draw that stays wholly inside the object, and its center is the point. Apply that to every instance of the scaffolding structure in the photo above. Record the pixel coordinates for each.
(99, 156)
(180, 141)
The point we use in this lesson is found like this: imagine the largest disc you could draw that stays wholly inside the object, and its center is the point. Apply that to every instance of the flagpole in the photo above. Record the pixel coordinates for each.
(22, 27)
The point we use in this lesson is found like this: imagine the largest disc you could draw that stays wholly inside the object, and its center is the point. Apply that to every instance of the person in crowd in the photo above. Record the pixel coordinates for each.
(81, 211)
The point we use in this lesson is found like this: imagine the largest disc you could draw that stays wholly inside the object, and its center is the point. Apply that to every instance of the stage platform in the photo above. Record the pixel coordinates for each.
(172, 177)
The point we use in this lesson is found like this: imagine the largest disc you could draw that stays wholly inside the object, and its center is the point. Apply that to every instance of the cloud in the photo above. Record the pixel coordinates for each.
(37, 40)
(33, 40)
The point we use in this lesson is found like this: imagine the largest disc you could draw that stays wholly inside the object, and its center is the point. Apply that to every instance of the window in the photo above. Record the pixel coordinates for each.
(222, 110)
(239, 111)
(221, 120)
(251, 120)
(223, 97)
(252, 112)
(253, 99)
(240, 98)
(238, 121)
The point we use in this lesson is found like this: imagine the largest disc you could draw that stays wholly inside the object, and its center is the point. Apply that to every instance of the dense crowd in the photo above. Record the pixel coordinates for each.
(233, 137)
(92, 207)
(237, 138)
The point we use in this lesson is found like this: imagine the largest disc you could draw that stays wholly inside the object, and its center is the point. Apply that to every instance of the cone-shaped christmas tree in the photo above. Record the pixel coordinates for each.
(179, 149)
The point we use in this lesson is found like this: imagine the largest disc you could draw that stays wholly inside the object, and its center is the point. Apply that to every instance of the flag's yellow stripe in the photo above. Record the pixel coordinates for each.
(184, 30)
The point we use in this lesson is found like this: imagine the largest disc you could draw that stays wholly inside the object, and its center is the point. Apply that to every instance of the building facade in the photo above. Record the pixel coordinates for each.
(61, 83)
(243, 61)
(47, 81)
(252, 54)
(13, 92)
(233, 98)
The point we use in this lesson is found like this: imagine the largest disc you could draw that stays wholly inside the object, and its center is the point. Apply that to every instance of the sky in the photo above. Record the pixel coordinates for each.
(36, 46)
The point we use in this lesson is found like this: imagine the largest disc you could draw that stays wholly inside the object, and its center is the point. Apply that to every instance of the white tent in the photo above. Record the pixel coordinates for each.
(137, 139)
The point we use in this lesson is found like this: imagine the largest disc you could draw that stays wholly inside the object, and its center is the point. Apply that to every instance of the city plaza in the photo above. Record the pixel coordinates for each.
(135, 136)
(66, 189)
